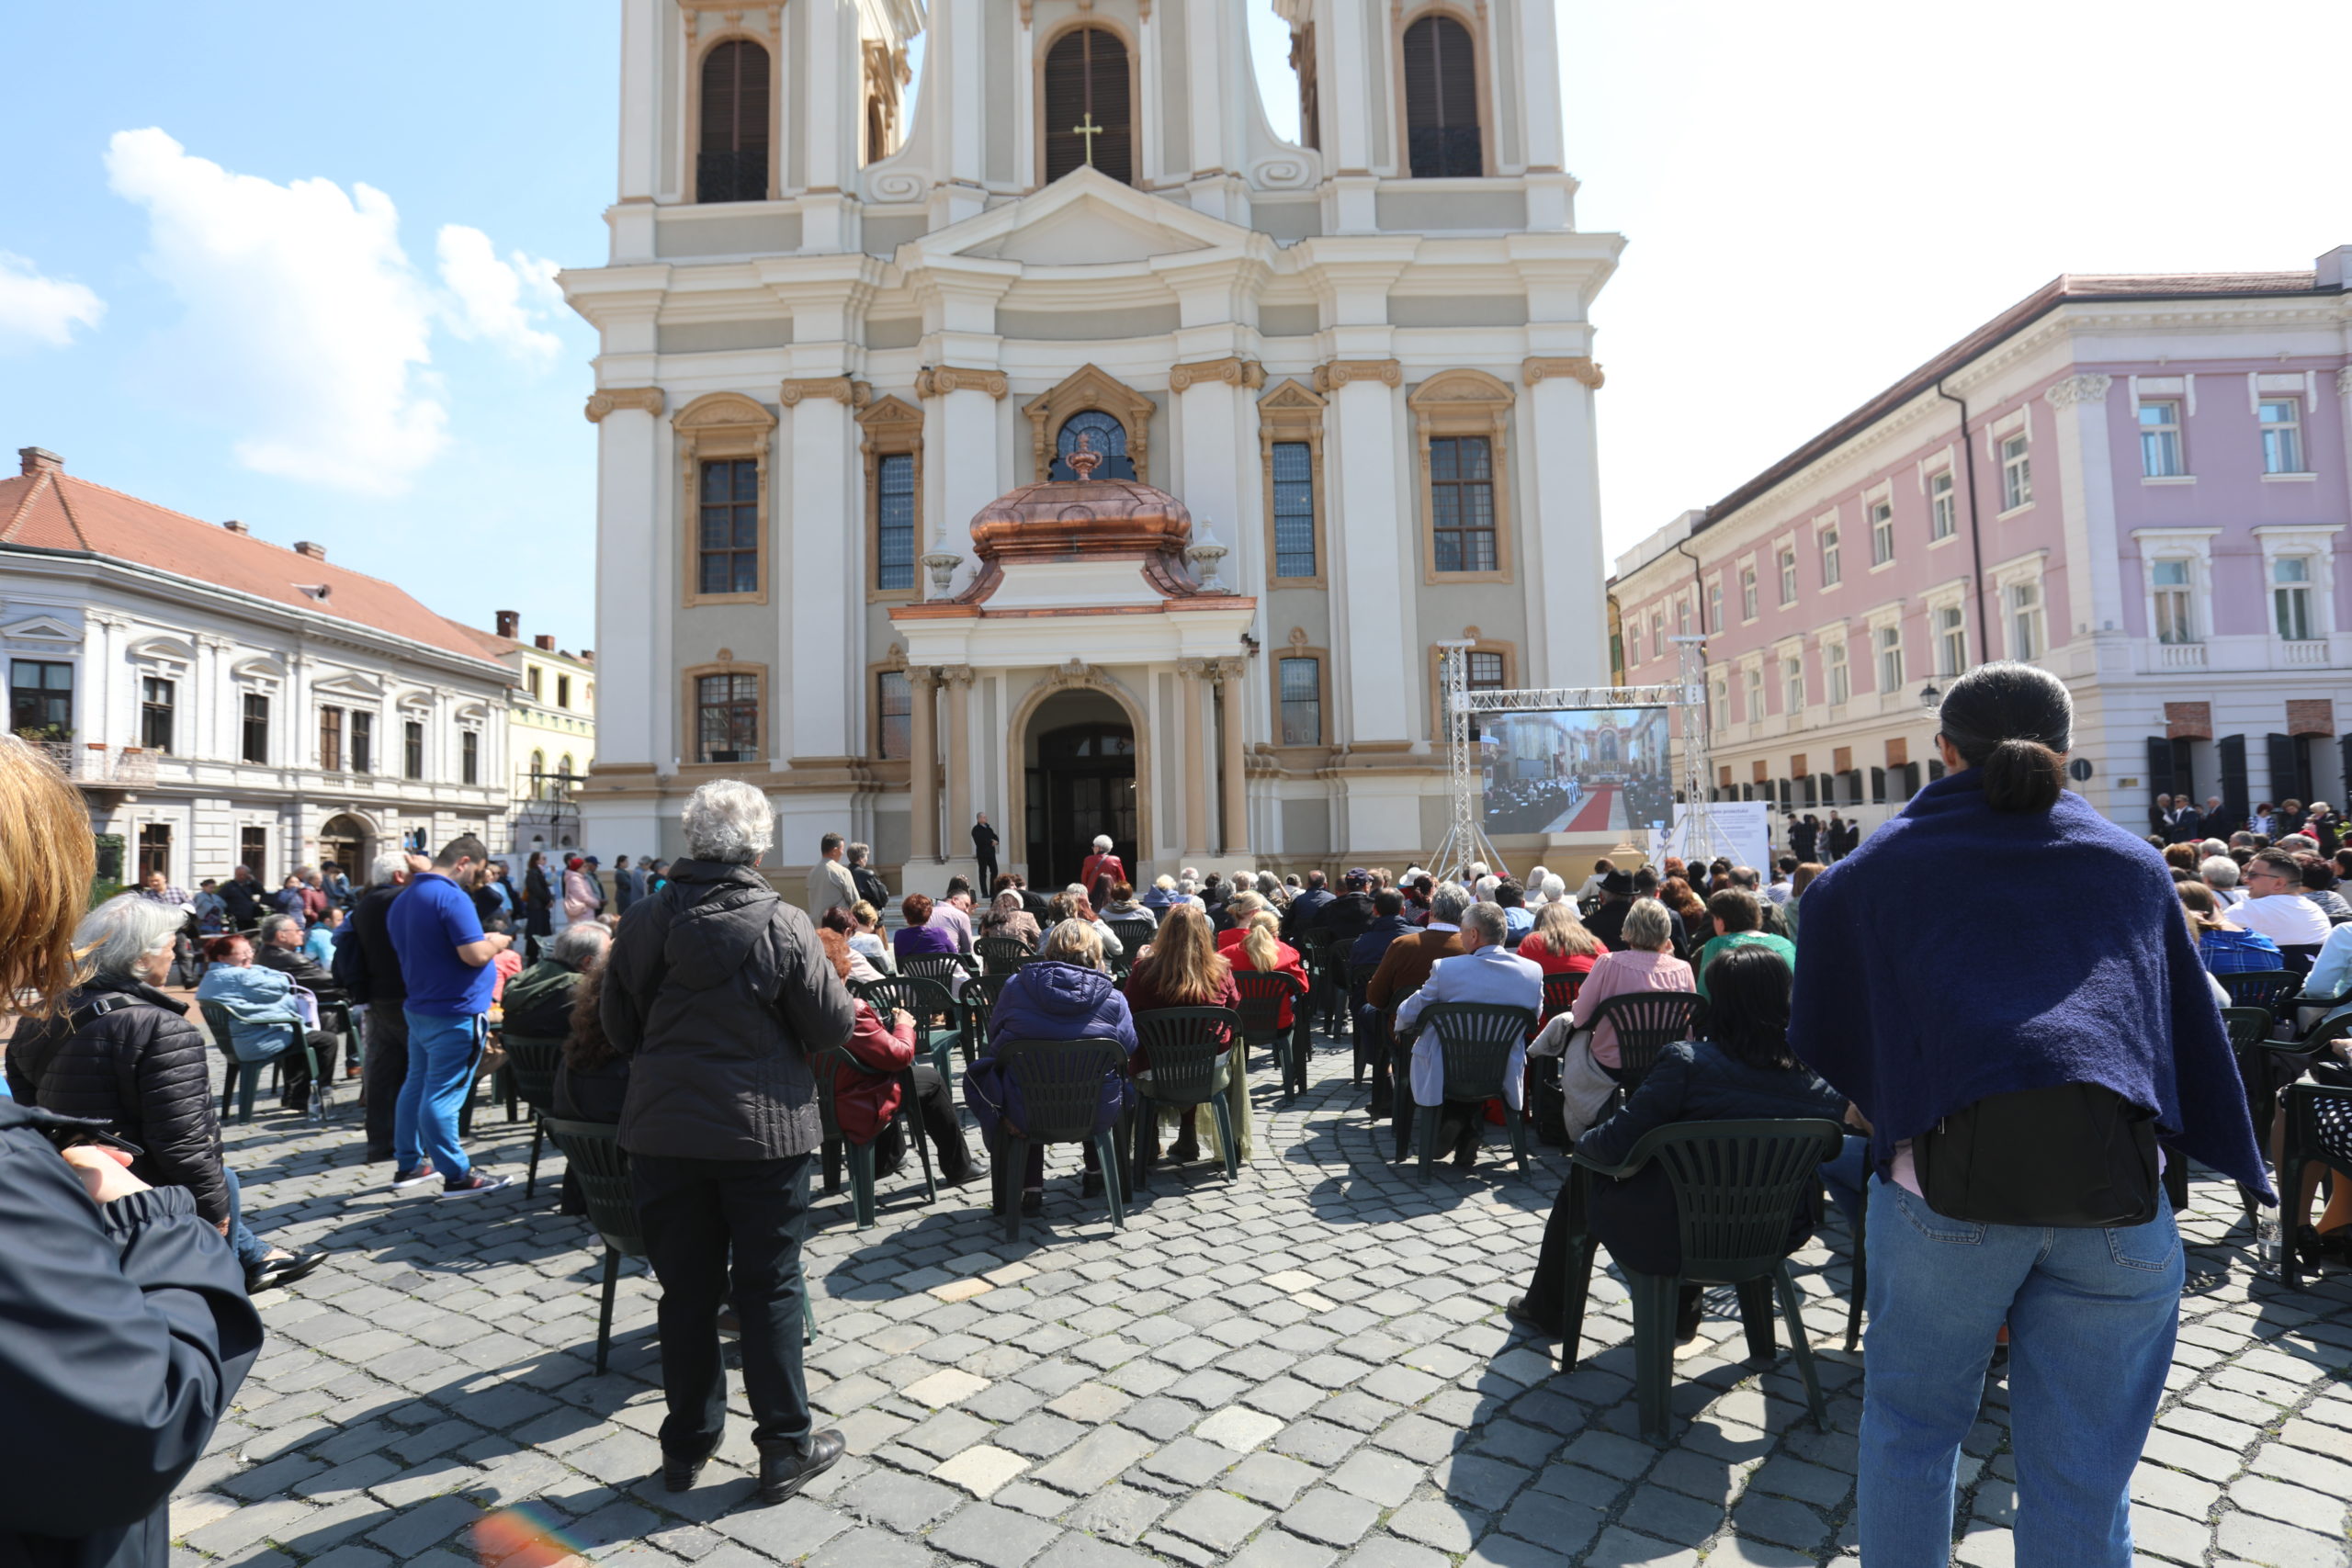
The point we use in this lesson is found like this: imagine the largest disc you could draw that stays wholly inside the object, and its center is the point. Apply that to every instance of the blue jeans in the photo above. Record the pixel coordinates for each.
(440, 1070)
(2091, 1317)
(251, 1250)
(1844, 1173)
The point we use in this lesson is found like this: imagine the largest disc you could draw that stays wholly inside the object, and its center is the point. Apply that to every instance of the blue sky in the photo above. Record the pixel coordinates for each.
(288, 264)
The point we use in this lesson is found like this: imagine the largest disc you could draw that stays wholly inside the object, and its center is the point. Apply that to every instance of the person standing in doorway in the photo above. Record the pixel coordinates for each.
(446, 961)
(984, 849)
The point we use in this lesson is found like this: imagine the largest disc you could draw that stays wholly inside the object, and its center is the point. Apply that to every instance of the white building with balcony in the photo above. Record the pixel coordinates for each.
(222, 700)
(2139, 482)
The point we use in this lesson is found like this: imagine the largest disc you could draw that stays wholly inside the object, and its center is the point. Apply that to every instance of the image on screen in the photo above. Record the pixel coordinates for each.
(1577, 770)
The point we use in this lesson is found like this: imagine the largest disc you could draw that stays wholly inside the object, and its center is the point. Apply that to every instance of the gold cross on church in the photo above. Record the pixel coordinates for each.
(1088, 129)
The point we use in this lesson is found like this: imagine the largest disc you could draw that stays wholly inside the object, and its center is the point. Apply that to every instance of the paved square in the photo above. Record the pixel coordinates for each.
(1303, 1367)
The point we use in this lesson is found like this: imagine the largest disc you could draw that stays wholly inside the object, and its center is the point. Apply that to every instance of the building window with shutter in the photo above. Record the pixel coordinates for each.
(563, 691)
(157, 706)
(1951, 641)
(1442, 139)
(469, 756)
(1462, 502)
(732, 164)
(538, 786)
(1832, 572)
(2174, 601)
(729, 553)
(1087, 97)
(252, 849)
(1294, 509)
(1890, 659)
(1301, 702)
(894, 521)
(1715, 606)
(2290, 597)
(256, 728)
(1792, 684)
(331, 739)
(2025, 636)
(2016, 472)
(1835, 680)
(1882, 532)
(1788, 563)
(1943, 510)
(726, 719)
(894, 711)
(1747, 594)
(412, 748)
(363, 741)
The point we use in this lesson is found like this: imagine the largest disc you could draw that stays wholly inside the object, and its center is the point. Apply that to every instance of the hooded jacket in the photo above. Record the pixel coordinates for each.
(719, 992)
(139, 1071)
(126, 1335)
(1047, 999)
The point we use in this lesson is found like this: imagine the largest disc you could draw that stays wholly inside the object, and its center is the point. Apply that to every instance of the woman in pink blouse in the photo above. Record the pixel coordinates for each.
(1644, 962)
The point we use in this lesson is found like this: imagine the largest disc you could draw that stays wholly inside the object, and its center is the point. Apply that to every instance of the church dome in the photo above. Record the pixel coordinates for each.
(1081, 518)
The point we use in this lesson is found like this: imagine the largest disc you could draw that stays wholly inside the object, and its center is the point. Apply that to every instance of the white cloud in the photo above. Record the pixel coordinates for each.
(495, 300)
(305, 322)
(38, 310)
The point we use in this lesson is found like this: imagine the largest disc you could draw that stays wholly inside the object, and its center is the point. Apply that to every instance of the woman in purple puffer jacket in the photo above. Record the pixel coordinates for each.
(1064, 994)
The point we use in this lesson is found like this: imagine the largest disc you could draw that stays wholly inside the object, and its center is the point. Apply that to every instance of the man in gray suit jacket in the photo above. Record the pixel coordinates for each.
(1486, 970)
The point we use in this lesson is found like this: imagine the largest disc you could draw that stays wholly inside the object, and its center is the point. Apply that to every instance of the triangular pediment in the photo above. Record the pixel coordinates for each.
(41, 628)
(1084, 218)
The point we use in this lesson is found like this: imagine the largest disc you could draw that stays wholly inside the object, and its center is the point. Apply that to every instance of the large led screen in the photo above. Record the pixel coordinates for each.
(1592, 770)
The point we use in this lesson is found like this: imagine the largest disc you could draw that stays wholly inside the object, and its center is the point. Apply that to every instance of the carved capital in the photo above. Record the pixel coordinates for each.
(925, 678)
(2344, 382)
(941, 379)
(1579, 367)
(2078, 390)
(1197, 669)
(606, 400)
(1233, 370)
(1228, 669)
(1340, 372)
(957, 675)
(841, 388)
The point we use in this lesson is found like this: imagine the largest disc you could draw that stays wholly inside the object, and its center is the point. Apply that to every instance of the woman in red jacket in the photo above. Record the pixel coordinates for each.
(1258, 945)
(1560, 944)
(865, 1102)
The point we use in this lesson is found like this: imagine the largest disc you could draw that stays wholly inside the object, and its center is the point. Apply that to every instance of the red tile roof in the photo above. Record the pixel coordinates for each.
(50, 510)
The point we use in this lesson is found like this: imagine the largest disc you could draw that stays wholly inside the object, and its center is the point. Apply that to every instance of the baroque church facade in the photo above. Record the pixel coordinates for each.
(1048, 438)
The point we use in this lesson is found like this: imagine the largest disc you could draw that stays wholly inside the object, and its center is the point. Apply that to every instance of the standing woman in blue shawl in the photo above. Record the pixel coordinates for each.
(1917, 1009)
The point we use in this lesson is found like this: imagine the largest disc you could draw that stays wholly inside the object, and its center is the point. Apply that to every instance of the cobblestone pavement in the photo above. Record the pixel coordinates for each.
(1304, 1368)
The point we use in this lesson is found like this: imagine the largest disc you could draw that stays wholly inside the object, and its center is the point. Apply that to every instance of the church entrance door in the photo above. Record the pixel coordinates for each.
(1084, 783)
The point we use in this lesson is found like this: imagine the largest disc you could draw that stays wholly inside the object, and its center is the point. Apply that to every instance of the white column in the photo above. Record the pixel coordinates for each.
(2094, 607)
(960, 456)
(1376, 555)
(1214, 461)
(635, 574)
(1560, 520)
(822, 526)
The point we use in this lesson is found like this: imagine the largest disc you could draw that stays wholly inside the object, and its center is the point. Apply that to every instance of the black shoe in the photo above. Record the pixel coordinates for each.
(1090, 1185)
(977, 1170)
(678, 1472)
(1516, 1309)
(272, 1272)
(785, 1468)
(1183, 1150)
(1033, 1202)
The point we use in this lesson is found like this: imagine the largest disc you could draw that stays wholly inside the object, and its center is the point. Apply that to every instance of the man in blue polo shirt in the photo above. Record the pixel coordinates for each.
(445, 963)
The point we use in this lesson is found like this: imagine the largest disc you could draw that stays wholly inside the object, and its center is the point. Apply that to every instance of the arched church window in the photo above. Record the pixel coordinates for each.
(1088, 106)
(1441, 100)
(1105, 436)
(732, 164)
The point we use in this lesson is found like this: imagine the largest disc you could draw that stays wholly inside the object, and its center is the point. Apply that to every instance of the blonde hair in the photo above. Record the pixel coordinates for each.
(1074, 941)
(1563, 933)
(47, 858)
(1262, 940)
(1241, 906)
(1182, 963)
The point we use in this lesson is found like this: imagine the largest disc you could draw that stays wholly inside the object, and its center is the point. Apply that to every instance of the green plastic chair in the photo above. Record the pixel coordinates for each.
(1737, 1186)
(1134, 936)
(943, 968)
(2274, 989)
(531, 1063)
(1188, 1049)
(928, 1000)
(1060, 1082)
(862, 1173)
(1478, 1038)
(594, 1151)
(1262, 994)
(1003, 954)
(241, 1078)
(978, 1000)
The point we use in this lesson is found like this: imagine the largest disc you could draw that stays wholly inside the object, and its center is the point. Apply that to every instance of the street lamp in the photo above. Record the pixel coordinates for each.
(1929, 698)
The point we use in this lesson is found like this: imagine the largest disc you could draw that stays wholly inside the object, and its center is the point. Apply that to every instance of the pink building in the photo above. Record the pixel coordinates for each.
(2137, 483)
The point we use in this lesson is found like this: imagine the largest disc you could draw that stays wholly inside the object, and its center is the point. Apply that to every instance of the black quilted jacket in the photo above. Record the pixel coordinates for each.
(140, 1069)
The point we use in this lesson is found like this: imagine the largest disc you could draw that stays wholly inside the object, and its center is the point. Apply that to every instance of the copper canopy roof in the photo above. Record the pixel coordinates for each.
(1082, 519)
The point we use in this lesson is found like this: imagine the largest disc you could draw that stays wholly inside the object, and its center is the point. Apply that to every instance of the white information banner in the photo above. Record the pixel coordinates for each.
(1743, 831)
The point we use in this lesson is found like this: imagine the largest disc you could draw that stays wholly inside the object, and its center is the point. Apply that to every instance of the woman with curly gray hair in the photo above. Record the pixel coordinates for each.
(720, 993)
